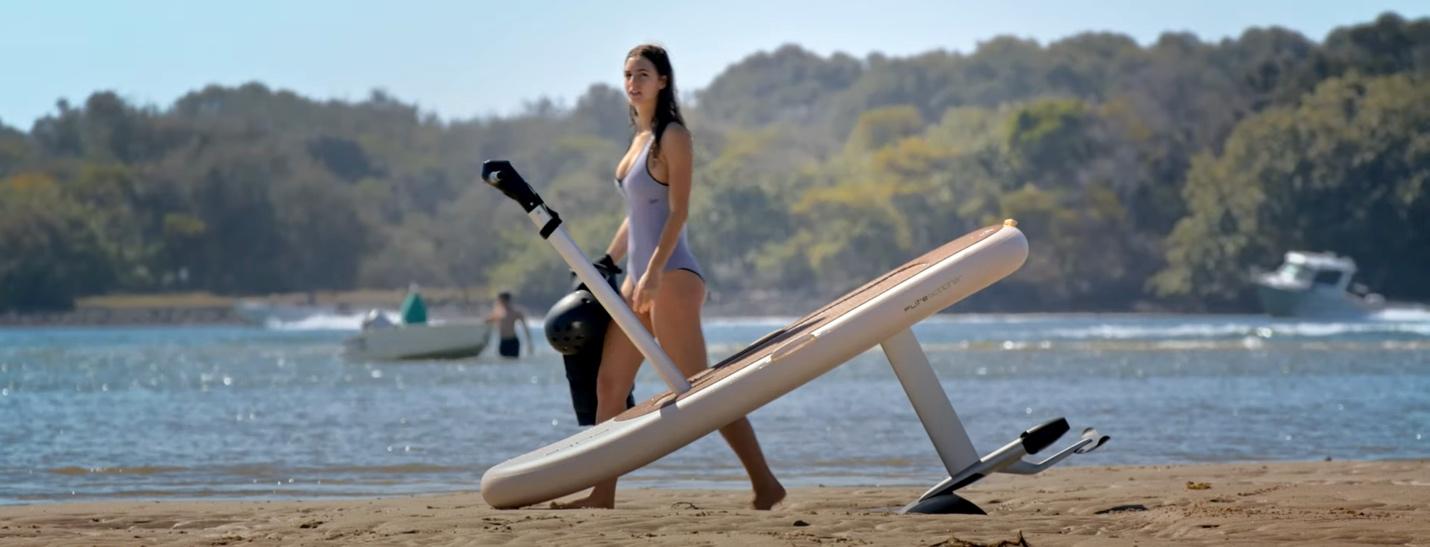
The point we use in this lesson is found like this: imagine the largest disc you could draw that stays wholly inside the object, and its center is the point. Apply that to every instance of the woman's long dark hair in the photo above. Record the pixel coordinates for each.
(666, 109)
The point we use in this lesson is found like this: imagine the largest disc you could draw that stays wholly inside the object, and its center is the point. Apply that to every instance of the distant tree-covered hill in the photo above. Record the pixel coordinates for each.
(1145, 176)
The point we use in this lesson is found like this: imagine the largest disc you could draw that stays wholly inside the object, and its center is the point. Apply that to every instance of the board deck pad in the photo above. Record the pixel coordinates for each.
(775, 341)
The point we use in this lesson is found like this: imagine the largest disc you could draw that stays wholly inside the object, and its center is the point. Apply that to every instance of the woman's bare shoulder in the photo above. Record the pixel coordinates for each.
(677, 128)
(675, 143)
(675, 133)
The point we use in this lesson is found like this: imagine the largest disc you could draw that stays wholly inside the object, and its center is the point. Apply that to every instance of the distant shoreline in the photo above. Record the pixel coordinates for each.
(220, 316)
(208, 309)
(123, 317)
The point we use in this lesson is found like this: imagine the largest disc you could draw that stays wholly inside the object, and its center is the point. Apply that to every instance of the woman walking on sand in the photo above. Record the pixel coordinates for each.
(664, 285)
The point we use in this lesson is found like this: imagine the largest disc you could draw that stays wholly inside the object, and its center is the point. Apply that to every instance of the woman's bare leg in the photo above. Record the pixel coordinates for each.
(619, 362)
(677, 325)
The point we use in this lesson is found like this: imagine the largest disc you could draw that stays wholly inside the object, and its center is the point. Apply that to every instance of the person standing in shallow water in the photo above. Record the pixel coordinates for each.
(506, 317)
(664, 285)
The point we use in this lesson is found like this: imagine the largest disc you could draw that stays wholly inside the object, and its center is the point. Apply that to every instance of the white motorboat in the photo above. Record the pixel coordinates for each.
(454, 340)
(1315, 285)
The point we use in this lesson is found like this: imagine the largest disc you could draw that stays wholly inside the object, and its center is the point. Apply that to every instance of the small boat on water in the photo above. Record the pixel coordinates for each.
(1315, 285)
(444, 341)
(384, 341)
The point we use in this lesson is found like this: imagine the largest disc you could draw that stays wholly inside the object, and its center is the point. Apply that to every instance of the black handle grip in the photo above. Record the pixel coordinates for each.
(1040, 436)
(500, 174)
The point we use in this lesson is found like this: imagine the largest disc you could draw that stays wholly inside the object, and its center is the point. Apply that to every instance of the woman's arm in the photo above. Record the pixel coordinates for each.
(617, 249)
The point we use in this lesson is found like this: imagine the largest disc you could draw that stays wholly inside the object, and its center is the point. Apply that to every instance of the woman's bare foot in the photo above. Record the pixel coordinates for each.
(585, 503)
(768, 497)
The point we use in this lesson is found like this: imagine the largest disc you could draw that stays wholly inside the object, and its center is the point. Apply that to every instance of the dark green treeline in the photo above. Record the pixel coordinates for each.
(1146, 177)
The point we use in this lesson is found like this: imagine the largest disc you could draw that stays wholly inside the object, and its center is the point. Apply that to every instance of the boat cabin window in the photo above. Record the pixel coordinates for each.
(1327, 277)
(1295, 272)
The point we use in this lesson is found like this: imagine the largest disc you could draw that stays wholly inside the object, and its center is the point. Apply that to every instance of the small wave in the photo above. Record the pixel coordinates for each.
(1240, 330)
(140, 470)
(1006, 318)
(381, 469)
(263, 470)
(1421, 315)
(266, 470)
(326, 321)
(1125, 332)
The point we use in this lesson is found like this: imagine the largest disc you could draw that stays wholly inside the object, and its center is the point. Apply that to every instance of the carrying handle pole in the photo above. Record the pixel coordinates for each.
(502, 176)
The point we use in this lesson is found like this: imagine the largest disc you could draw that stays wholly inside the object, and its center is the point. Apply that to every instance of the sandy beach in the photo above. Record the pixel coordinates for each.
(1300, 503)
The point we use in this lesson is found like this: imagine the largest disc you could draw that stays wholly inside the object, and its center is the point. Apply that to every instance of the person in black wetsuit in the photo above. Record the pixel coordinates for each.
(576, 328)
(506, 316)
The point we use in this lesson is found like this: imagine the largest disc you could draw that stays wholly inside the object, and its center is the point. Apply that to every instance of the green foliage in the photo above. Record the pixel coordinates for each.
(791, 85)
(50, 250)
(884, 126)
(15, 150)
(1389, 45)
(1048, 137)
(1345, 171)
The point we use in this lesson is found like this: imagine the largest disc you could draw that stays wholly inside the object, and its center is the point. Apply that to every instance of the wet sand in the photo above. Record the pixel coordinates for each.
(1300, 503)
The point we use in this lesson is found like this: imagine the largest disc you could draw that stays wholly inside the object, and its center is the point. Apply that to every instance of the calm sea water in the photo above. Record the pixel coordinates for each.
(195, 412)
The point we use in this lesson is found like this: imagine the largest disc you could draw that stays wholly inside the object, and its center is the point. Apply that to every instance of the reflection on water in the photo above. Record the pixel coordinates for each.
(235, 412)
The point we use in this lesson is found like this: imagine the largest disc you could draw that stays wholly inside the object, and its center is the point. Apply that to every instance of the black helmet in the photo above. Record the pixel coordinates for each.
(576, 324)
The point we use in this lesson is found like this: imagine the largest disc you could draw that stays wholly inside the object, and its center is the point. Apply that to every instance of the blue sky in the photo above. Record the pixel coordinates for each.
(464, 58)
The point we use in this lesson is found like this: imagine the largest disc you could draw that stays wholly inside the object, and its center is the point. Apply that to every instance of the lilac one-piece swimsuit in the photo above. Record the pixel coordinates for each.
(647, 209)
